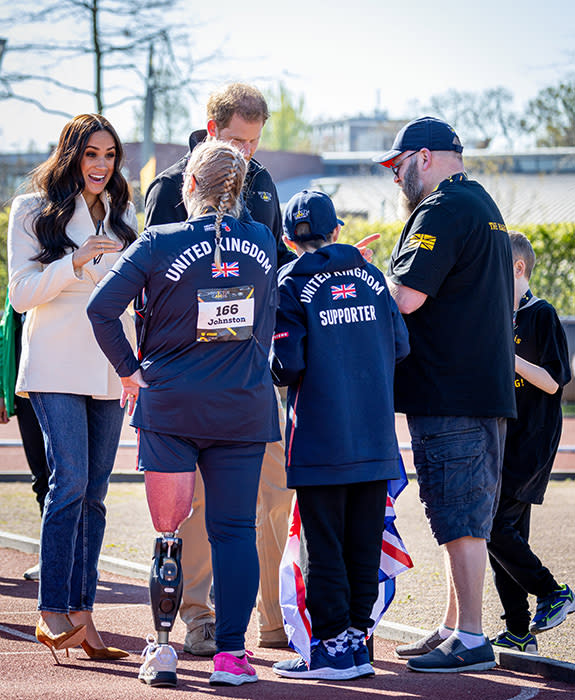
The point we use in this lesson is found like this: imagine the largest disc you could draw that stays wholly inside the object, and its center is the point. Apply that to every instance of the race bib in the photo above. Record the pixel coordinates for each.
(225, 314)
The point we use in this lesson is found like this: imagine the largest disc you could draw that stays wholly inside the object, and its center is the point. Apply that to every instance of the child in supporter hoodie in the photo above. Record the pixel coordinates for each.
(338, 338)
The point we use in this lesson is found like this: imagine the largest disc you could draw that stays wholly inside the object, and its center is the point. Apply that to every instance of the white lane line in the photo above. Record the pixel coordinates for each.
(526, 694)
(114, 607)
(17, 633)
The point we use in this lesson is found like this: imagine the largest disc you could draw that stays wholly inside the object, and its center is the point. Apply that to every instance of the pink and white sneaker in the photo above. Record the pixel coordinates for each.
(230, 670)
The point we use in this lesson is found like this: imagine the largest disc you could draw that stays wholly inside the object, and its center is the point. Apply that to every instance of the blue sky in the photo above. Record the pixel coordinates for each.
(349, 57)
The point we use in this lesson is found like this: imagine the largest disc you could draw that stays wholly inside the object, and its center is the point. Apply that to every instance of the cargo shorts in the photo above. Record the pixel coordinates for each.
(458, 461)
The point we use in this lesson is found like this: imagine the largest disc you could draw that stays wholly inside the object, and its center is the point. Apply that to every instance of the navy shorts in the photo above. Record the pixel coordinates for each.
(458, 460)
(160, 452)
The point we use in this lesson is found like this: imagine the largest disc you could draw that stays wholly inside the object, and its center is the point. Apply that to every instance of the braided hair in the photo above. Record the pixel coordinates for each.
(214, 179)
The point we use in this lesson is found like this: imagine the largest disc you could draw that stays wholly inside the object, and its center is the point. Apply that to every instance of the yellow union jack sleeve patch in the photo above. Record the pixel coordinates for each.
(421, 240)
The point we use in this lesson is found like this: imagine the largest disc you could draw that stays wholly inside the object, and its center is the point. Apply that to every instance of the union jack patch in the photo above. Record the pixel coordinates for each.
(421, 240)
(343, 291)
(228, 270)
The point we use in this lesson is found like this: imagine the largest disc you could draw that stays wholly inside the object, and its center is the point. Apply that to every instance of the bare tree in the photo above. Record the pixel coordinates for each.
(115, 35)
(171, 113)
(551, 115)
(482, 115)
(452, 106)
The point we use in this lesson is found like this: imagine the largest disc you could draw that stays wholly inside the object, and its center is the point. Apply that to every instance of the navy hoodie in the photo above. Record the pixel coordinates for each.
(338, 337)
(199, 387)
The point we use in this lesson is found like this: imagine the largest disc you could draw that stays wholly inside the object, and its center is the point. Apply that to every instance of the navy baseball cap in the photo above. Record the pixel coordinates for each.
(313, 207)
(425, 132)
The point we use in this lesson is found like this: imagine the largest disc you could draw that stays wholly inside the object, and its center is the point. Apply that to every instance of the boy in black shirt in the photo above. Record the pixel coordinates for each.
(542, 369)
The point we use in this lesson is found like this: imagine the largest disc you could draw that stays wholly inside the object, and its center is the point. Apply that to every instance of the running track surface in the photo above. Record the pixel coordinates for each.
(27, 669)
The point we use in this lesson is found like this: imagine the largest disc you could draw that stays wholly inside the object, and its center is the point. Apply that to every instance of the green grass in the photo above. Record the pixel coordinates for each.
(569, 409)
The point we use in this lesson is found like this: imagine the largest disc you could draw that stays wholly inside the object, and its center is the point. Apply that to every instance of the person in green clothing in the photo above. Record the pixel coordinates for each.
(10, 405)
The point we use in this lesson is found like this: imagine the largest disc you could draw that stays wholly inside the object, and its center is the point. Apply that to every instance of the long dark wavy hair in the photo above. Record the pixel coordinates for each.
(59, 181)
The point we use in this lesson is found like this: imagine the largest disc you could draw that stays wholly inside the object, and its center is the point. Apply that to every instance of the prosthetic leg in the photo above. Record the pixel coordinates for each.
(169, 500)
(166, 584)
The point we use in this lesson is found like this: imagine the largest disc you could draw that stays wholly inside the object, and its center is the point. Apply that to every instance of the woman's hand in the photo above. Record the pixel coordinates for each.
(130, 390)
(92, 247)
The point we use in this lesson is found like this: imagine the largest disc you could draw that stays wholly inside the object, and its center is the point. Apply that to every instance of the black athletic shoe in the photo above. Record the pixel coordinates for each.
(508, 640)
(552, 610)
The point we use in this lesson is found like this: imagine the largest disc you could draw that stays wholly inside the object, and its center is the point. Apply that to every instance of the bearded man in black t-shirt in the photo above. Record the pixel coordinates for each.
(542, 370)
(451, 276)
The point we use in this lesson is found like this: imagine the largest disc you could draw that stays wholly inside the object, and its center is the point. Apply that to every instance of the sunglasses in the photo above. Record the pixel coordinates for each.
(395, 168)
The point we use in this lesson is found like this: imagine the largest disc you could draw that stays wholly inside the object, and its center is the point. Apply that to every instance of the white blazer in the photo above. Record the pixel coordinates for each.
(59, 351)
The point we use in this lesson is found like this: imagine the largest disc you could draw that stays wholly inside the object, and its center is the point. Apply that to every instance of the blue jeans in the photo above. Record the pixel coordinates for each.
(81, 436)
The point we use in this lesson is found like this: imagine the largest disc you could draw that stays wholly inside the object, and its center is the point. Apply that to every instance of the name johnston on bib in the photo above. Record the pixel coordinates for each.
(233, 321)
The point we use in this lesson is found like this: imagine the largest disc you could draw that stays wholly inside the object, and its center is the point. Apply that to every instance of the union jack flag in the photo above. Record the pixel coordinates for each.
(343, 291)
(394, 560)
(228, 270)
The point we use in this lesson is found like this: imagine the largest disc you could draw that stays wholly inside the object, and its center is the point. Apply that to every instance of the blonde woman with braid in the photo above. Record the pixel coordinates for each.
(235, 113)
(200, 393)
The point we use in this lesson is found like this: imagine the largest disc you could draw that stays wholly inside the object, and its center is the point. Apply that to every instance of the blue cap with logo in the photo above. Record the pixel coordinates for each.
(313, 207)
(425, 132)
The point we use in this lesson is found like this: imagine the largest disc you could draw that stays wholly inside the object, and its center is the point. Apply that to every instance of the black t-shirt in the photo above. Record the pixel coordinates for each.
(533, 438)
(455, 248)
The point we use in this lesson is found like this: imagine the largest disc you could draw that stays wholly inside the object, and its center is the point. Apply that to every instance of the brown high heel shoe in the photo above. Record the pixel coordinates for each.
(64, 640)
(104, 652)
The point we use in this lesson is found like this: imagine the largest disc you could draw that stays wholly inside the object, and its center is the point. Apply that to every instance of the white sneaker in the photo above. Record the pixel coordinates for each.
(33, 573)
(159, 667)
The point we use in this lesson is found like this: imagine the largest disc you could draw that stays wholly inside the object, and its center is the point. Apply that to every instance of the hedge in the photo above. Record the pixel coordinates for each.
(553, 277)
(554, 244)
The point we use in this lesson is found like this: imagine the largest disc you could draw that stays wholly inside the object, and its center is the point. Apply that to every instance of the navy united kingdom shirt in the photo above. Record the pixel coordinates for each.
(207, 332)
(338, 337)
(455, 249)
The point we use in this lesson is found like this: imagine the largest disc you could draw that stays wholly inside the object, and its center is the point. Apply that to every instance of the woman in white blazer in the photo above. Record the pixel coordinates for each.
(62, 240)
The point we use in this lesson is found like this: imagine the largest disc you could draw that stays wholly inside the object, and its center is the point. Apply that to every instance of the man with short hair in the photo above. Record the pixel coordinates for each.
(236, 113)
(451, 276)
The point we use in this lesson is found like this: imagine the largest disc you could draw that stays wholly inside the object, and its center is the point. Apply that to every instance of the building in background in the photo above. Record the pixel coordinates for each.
(361, 133)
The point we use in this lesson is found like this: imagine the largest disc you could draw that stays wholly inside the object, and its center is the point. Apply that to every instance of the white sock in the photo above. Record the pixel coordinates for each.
(470, 640)
(240, 654)
(444, 631)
